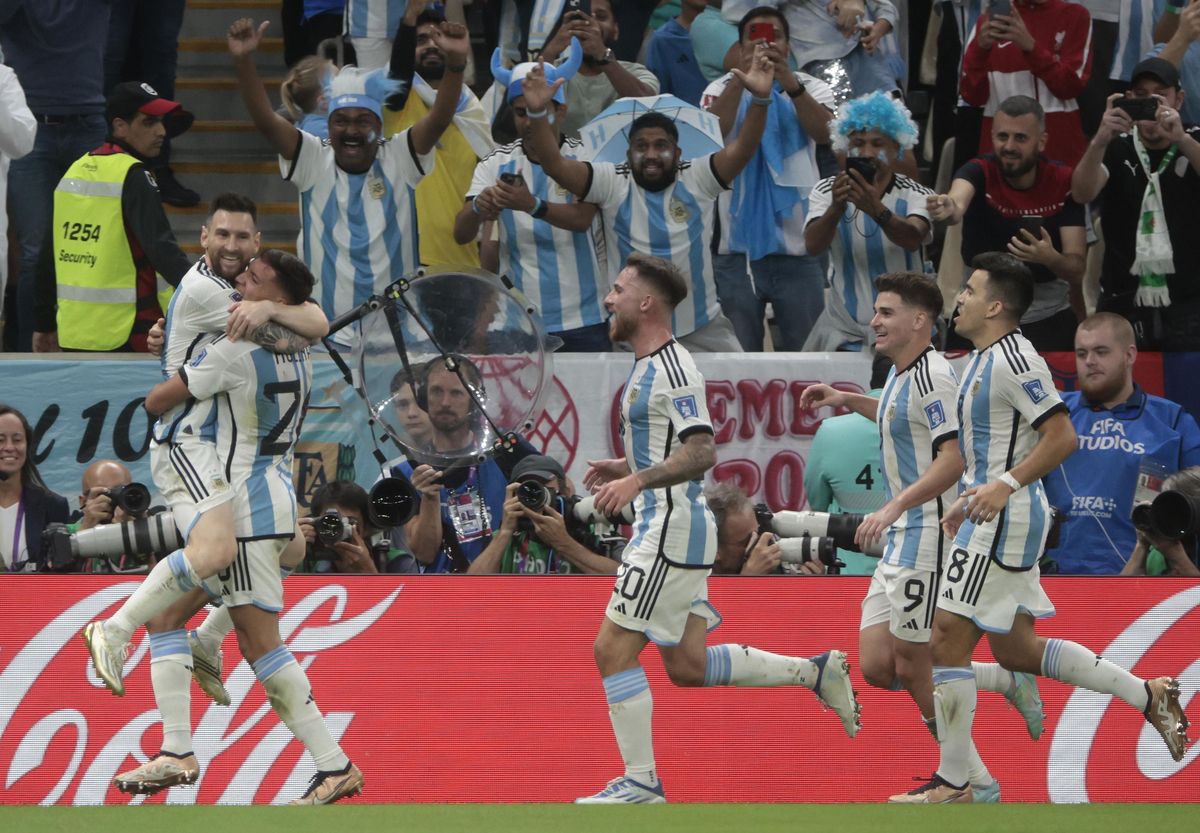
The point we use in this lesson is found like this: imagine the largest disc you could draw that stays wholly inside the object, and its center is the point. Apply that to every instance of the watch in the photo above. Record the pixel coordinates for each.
(883, 217)
(608, 57)
(799, 91)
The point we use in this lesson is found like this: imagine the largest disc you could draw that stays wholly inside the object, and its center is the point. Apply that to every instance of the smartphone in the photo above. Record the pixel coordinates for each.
(1003, 7)
(584, 6)
(865, 165)
(512, 179)
(1033, 225)
(762, 31)
(1139, 109)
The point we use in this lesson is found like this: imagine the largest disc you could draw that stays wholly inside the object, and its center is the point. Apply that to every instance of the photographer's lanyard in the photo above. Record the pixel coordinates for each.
(15, 565)
(468, 511)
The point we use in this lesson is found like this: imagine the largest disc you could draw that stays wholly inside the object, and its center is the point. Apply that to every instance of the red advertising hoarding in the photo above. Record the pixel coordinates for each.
(461, 689)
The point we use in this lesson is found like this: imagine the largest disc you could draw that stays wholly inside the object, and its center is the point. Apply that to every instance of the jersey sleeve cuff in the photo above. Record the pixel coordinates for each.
(295, 160)
(712, 166)
(937, 442)
(694, 429)
(587, 185)
(1057, 408)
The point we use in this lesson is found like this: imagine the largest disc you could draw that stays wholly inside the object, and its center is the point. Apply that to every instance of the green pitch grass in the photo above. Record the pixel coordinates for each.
(555, 818)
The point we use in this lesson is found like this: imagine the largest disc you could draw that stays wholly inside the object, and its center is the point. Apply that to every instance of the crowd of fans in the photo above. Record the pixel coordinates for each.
(834, 154)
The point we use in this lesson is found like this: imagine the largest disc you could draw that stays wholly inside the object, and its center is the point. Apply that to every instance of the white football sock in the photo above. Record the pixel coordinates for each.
(631, 709)
(171, 679)
(1074, 664)
(741, 665)
(215, 627)
(954, 696)
(291, 697)
(991, 676)
(170, 579)
(977, 771)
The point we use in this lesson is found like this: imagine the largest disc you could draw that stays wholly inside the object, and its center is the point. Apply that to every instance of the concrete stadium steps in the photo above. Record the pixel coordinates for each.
(211, 18)
(276, 220)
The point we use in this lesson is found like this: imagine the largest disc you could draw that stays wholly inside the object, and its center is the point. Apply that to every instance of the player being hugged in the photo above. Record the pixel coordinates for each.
(661, 593)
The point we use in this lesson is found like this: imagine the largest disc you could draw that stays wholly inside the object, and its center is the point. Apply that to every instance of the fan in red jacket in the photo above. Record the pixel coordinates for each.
(1042, 50)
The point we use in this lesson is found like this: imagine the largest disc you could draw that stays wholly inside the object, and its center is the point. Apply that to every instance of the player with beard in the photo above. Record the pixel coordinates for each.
(656, 203)
(459, 507)
(602, 79)
(661, 592)
(1119, 426)
(359, 225)
(1017, 201)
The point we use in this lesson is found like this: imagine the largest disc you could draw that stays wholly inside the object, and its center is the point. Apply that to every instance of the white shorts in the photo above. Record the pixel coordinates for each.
(903, 597)
(253, 577)
(977, 588)
(655, 598)
(191, 479)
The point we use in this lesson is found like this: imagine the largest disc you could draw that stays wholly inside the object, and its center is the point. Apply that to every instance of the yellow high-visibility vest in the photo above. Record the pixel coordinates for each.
(93, 261)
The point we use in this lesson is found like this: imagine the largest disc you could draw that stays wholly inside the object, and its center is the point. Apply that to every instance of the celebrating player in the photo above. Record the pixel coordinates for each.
(1014, 430)
(921, 465)
(660, 593)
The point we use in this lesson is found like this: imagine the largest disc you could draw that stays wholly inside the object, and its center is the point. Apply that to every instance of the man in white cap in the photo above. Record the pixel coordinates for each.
(546, 244)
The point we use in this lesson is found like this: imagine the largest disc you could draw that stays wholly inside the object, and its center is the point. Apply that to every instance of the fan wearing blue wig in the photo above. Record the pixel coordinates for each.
(871, 219)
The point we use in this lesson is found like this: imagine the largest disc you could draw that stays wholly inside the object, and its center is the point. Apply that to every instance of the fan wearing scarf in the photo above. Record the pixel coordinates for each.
(870, 225)
(545, 242)
(1147, 176)
(770, 198)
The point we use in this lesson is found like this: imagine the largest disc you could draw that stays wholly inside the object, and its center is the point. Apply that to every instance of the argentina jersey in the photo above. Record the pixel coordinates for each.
(675, 224)
(1135, 35)
(861, 252)
(663, 403)
(1005, 394)
(198, 312)
(358, 232)
(555, 268)
(374, 18)
(260, 400)
(917, 413)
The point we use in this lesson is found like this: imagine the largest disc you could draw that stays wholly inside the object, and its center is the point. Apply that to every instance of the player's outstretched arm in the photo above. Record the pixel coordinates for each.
(818, 396)
(166, 395)
(690, 461)
(281, 328)
(944, 472)
(1056, 443)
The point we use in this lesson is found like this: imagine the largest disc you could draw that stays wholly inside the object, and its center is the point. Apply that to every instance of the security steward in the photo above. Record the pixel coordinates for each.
(115, 257)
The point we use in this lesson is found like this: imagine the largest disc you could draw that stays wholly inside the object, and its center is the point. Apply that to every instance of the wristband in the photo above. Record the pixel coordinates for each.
(762, 101)
(475, 207)
(798, 92)
(540, 207)
(883, 217)
(537, 114)
(1010, 481)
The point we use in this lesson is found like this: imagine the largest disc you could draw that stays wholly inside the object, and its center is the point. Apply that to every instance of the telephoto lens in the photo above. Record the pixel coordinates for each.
(808, 548)
(533, 494)
(134, 498)
(332, 528)
(391, 502)
(1175, 515)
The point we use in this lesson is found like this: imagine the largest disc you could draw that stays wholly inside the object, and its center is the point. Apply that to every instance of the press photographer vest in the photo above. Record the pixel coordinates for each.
(96, 273)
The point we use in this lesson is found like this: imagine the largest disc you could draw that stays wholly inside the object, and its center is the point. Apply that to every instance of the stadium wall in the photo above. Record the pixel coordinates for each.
(465, 689)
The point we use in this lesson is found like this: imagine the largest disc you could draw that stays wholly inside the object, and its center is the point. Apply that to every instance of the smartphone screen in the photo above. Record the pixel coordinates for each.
(864, 165)
(1003, 7)
(762, 31)
(1033, 225)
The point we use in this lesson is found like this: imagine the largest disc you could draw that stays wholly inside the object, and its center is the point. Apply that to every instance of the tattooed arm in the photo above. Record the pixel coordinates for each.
(281, 328)
(690, 461)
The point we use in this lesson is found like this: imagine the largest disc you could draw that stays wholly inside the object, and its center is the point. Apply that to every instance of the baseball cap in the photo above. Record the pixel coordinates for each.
(1159, 68)
(349, 88)
(538, 465)
(131, 97)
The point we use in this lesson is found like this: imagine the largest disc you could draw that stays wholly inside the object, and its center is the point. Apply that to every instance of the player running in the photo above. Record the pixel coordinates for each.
(921, 464)
(1014, 429)
(660, 593)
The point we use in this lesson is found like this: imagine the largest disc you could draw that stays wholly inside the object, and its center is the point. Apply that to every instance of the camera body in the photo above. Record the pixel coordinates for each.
(134, 498)
(332, 528)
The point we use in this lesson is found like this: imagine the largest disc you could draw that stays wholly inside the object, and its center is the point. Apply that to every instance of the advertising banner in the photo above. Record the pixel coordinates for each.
(464, 689)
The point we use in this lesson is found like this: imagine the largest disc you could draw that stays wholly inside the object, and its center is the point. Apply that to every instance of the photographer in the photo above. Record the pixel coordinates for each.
(741, 549)
(338, 534)
(1154, 555)
(540, 541)
(107, 498)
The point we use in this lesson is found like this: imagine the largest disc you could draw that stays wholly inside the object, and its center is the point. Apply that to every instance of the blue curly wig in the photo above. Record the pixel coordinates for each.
(877, 111)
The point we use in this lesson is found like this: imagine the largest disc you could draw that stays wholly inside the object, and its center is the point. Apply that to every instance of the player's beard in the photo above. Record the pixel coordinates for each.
(618, 328)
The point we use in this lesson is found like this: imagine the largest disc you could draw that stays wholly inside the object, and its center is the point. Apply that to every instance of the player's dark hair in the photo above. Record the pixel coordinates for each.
(647, 121)
(30, 476)
(294, 277)
(763, 11)
(341, 493)
(723, 499)
(881, 366)
(429, 16)
(1016, 106)
(915, 289)
(1009, 281)
(663, 277)
(233, 203)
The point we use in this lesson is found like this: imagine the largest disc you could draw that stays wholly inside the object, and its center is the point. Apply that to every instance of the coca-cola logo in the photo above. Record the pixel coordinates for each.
(72, 754)
(1087, 748)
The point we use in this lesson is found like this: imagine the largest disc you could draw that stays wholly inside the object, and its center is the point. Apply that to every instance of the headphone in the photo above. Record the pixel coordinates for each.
(470, 374)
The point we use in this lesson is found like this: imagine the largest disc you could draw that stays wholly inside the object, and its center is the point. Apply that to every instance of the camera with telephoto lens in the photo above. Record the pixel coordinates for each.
(136, 540)
(333, 527)
(533, 494)
(840, 526)
(1172, 515)
(801, 541)
(134, 498)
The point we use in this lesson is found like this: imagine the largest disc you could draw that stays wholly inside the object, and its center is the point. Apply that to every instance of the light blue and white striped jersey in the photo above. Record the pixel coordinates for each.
(662, 404)
(675, 223)
(260, 398)
(789, 233)
(1006, 393)
(197, 314)
(918, 411)
(557, 269)
(1135, 35)
(374, 18)
(358, 232)
(861, 252)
